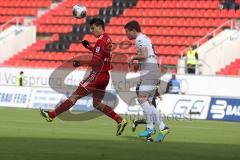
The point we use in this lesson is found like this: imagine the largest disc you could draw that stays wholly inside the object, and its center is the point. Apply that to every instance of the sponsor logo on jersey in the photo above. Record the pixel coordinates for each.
(97, 49)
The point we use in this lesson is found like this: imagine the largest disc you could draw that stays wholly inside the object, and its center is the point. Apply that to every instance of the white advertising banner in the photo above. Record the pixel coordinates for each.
(225, 86)
(44, 98)
(214, 85)
(37, 77)
(15, 96)
(185, 106)
(174, 106)
(47, 98)
(180, 106)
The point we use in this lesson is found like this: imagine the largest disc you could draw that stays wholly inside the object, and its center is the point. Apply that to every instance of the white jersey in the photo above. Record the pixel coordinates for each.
(143, 41)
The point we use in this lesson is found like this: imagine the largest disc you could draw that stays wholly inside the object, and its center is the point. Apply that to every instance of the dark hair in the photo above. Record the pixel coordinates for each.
(194, 46)
(133, 25)
(97, 22)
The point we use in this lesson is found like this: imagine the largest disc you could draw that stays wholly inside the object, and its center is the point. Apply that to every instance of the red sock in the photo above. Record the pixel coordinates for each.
(66, 105)
(109, 112)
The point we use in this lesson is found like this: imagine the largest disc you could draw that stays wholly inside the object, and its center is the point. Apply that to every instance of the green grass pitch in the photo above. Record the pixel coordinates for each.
(24, 135)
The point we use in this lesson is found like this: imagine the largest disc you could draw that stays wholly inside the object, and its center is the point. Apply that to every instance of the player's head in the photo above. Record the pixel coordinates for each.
(97, 26)
(21, 72)
(132, 29)
(192, 47)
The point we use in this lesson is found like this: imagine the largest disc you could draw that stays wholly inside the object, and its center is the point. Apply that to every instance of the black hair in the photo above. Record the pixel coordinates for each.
(194, 46)
(97, 22)
(133, 25)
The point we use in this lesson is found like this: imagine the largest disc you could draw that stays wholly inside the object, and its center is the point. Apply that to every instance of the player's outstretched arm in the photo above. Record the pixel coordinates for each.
(141, 56)
(82, 60)
(93, 60)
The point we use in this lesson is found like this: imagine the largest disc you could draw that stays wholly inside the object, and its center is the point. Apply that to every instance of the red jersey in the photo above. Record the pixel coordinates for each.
(102, 50)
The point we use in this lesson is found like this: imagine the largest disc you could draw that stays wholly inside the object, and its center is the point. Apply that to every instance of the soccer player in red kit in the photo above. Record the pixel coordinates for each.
(98, 79)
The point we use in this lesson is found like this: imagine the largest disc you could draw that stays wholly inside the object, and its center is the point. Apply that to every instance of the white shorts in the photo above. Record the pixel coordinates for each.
(148, 89)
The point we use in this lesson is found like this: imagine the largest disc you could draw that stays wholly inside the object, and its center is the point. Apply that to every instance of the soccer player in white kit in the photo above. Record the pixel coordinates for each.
(149, 78)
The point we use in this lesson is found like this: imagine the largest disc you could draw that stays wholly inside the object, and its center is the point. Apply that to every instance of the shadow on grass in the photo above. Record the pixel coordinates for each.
(133, 138)
(73, 149)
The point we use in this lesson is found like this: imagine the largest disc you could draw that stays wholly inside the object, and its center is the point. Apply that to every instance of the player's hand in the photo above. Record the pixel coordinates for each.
(76, 63)
(85, 43)
(135, 67)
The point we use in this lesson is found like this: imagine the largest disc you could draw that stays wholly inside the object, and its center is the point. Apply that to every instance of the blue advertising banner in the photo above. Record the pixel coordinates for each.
(224, 109)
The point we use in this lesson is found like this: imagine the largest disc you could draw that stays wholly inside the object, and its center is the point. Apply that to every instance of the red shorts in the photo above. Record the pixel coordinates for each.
(95, 83)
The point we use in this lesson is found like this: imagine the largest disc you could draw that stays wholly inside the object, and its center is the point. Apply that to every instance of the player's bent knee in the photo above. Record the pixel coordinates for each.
(96, 104)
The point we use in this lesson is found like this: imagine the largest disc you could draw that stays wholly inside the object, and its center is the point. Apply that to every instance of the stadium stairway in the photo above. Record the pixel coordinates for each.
(11, 9)
(232, 69)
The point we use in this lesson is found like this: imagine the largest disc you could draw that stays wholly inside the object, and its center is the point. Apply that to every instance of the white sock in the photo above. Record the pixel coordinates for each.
(147, 111)
(158, 118)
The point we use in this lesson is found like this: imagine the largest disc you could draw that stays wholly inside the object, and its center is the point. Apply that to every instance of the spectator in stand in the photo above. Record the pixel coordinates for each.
(237, 3)
(173, 86)
(192, 57)
(229, 4)
(19, 79)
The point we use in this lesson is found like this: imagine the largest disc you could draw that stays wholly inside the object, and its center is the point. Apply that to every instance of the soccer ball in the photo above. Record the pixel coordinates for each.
(79, 11)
